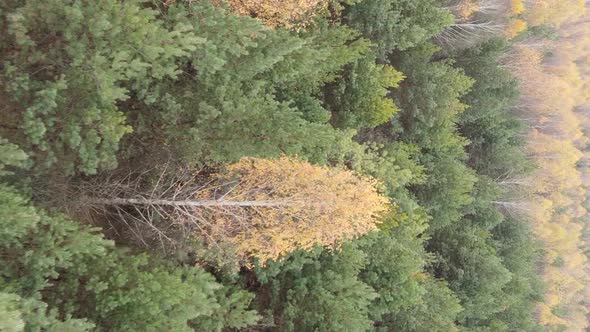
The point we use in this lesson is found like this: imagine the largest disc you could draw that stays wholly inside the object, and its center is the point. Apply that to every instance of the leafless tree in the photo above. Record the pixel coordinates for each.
(474, 22)
(462, 34)
(162, 205)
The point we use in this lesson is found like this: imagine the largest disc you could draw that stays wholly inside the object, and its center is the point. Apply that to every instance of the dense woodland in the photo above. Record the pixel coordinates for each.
(319, 165)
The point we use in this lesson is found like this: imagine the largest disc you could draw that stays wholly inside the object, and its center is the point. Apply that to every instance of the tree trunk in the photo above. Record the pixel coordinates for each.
(197, 203)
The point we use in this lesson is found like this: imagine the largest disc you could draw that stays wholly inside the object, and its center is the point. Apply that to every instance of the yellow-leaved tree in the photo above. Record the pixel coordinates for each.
(553, 12)
(302, 205)
(514, 27)
(516, 7)
(552, 98)
(261, 208)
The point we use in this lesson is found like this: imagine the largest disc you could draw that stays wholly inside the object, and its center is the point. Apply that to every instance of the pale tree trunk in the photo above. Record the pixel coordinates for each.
(185, 203)
(513, 205)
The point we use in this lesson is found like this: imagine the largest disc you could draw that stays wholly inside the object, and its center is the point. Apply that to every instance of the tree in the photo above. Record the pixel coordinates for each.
(521, 254)
(515, 27)
(10, 156)
(71, 95)
(429, 99)
(61, 275)
(398, 24)
(252, 91)
(395, 262)
(469, 32)
(517, 7)
(360, 99)
(179, 80)
(495, 147)
(264, 208)
(468, 261)
(465, 9)
(553, 12)
(197, 126)
(436, 311)
(306, 287)
(10, 314)
(478, 20)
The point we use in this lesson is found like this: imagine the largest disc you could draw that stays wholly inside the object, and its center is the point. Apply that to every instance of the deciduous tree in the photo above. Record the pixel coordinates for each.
(264, 208)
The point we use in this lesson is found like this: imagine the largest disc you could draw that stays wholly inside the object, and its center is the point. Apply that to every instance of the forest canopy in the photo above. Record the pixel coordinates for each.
(339, 165)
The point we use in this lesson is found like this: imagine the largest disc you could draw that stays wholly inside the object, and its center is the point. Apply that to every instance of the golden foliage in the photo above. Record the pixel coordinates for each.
(516, 7)
(291, 14)
(553, 12)
(295, 205)
(515, 27)
(550, 92)
(466, 8)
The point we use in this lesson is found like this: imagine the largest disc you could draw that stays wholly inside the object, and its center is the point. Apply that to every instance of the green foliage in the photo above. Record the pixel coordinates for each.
(69, 65)
(10, 155)
(394, 164)
(246, 119)
(251, 91)
(35, 249)
(233, 311)
(308, 287)
(10, 315)
(436, 311)
(76, 273)
(379, 275)
(521, 255)
(31, 314)
(429, 99)
(397, 24)
(176, 78)
(359, 99)
(25, 230)
(482, 211)
(395, 259)
(467, 259)
(85, 84)
(493, 132)
(500, 294)
(447, 190)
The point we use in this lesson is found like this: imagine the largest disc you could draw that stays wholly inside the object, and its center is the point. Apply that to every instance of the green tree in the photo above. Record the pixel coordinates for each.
(359, 99)
(430, 101)
(252, 92)
(188, 77)
(436, 311)
(68, 66)
(467, 259)
(11, 156)
(430, 97)
(318, 291)
(397, 24)
(521, 254)
(395, 260)
(66, 274)
(493, 131)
